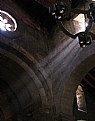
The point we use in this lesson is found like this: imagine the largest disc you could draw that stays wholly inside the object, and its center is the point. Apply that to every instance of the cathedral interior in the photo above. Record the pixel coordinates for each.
(47, 60)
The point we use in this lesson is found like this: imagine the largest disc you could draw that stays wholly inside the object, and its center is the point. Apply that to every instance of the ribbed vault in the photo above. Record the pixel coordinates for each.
(40, 71)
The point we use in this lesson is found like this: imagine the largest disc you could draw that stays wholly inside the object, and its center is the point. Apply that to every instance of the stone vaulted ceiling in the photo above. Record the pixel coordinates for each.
(40, 67)
(39, 9)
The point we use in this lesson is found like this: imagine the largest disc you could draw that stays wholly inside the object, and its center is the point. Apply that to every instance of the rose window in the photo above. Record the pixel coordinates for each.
(7, 22)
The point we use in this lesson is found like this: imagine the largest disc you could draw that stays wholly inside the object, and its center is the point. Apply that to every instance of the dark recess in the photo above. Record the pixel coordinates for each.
(37, 12)
(41, 13)
(89, 83)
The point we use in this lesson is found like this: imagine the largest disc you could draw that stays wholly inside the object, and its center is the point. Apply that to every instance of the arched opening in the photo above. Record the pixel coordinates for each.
(81, 102)
(80, 107)
(85, 98)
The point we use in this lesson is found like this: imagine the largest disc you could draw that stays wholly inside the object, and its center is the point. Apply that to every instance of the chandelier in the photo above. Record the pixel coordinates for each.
(59, 10)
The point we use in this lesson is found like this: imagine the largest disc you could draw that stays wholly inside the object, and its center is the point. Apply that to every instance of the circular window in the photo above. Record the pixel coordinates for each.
(7, 22)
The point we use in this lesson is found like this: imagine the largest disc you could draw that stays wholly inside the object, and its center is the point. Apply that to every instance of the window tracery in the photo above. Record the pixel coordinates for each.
(7, 22)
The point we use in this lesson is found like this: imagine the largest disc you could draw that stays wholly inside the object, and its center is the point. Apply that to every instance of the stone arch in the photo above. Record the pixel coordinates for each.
(74, 72)
(23, 87)
(77, 75)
